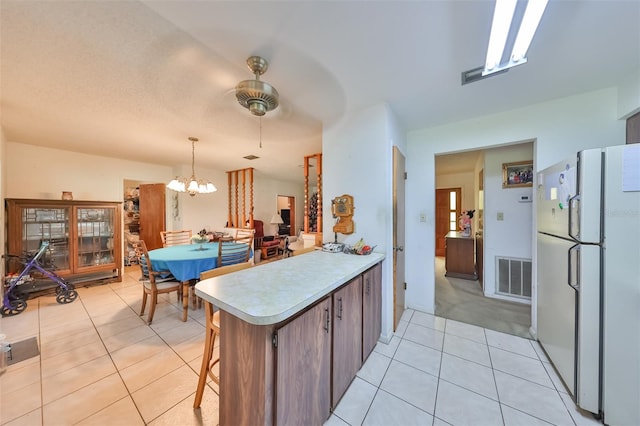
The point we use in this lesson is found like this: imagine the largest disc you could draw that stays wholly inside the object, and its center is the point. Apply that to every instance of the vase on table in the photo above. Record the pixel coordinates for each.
(201, 242)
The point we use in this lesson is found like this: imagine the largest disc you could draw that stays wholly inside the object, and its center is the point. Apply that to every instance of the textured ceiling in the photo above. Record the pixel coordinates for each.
(134, 79)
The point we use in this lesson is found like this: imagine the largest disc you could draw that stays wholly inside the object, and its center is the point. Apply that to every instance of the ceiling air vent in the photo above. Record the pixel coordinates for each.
(476, 75)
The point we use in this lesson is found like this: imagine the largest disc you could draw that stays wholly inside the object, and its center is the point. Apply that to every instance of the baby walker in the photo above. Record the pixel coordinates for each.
(15, 300)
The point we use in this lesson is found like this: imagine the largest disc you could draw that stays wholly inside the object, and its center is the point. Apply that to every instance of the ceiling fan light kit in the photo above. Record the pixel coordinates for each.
(257, 96)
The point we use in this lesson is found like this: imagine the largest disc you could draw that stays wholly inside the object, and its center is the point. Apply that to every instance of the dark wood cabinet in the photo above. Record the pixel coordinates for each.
(296, 371)
(84, 236)
(371, 309)
(460, 256)
(303, 365)
(347, 333)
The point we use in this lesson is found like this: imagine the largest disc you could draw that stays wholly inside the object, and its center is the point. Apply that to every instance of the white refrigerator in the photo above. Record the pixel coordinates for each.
(588, 278)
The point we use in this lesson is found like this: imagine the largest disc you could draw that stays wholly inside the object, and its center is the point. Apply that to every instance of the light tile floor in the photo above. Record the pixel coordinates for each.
(100, 364)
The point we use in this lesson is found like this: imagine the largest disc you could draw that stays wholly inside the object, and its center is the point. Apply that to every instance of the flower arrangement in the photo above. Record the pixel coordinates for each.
(465, 221)
(200, 237)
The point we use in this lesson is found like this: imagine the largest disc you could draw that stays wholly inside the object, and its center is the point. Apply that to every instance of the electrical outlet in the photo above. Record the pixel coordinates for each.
(500, 216)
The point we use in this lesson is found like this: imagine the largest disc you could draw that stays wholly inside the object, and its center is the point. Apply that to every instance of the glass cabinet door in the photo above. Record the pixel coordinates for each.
(95, 236)
(47, 224)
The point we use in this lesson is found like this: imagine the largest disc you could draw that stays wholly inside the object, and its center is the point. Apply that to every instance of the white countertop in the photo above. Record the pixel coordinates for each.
(271, 293)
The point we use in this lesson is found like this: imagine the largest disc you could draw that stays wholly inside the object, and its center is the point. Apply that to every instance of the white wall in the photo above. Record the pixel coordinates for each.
(560, 127)
(512, 236)
(357, 160)
(36, 172)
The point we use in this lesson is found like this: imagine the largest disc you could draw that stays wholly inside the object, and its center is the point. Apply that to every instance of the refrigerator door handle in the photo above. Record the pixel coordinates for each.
(574, 204)
(574, 267)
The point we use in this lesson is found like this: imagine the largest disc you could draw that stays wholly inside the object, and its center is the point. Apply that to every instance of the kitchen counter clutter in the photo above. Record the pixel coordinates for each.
(293, 335)
(273, 292)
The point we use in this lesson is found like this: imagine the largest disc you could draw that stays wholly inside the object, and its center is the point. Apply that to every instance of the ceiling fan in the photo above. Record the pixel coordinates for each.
(258, 96)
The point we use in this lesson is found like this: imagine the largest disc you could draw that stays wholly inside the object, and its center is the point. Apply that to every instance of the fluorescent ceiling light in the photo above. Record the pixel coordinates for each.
(502, 26)
(530, 21)
(502, 17)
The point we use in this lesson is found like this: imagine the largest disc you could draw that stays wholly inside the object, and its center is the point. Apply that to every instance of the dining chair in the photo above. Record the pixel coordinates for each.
(232, 252)
(212, 332)
(243, 234)
(153, 282)
(175, 238)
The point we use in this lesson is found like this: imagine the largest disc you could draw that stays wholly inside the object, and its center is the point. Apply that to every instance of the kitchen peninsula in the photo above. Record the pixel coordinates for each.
(293, 335)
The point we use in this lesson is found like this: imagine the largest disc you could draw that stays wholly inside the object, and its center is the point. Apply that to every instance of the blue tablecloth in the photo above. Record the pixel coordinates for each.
(185, 262)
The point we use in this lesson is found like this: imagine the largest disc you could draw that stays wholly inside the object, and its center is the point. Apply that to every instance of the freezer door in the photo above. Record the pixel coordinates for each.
(556, 185)
(585, 208)
(569, 198)
(569, 314)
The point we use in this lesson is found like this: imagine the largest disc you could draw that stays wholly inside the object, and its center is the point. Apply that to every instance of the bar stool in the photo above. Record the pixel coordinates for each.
(212, 331)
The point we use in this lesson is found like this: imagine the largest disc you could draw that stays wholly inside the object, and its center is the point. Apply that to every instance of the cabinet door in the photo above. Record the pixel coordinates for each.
(347, 337)
(371, 309)
(95, 237)
(304, 368)
(30, 224)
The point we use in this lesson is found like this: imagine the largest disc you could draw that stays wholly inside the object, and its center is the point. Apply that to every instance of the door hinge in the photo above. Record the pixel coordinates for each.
(274, 340)
(405, 175)
(405, 286)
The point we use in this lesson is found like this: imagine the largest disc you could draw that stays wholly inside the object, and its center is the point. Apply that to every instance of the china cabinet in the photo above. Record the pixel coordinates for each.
(84, 236)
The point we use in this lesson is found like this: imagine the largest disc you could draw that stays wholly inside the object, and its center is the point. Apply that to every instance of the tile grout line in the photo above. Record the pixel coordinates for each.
(435, 401)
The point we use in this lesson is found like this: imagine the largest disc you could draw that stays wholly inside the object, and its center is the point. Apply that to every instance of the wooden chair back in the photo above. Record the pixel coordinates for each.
(142, 256)
(175, 238)
(245, 236)
(146, 267)
(224, 270)
(233, 252)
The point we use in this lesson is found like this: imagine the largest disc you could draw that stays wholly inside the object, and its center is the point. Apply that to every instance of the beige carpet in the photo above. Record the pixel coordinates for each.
(462, 300)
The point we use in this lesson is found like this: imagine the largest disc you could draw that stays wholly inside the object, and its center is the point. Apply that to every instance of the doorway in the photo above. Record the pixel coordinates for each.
(287, 210)
(448, 210)
(460, 185)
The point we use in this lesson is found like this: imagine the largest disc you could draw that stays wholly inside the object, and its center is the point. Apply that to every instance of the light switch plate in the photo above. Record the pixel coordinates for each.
(500, 216)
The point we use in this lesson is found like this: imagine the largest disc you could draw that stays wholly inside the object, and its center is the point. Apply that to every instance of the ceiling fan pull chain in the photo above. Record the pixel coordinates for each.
(260, 118)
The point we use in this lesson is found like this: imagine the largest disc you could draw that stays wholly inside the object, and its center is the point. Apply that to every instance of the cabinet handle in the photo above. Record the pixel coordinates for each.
(326, 324)
(340, 308)
(367, 287)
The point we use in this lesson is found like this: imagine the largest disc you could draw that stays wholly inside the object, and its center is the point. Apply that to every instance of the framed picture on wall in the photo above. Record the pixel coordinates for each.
(517, 175)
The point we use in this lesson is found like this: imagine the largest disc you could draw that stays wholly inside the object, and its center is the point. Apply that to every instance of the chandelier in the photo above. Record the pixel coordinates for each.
(193, 186)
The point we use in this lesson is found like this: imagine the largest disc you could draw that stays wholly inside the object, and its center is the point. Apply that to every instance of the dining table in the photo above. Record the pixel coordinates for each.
(185, 262)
